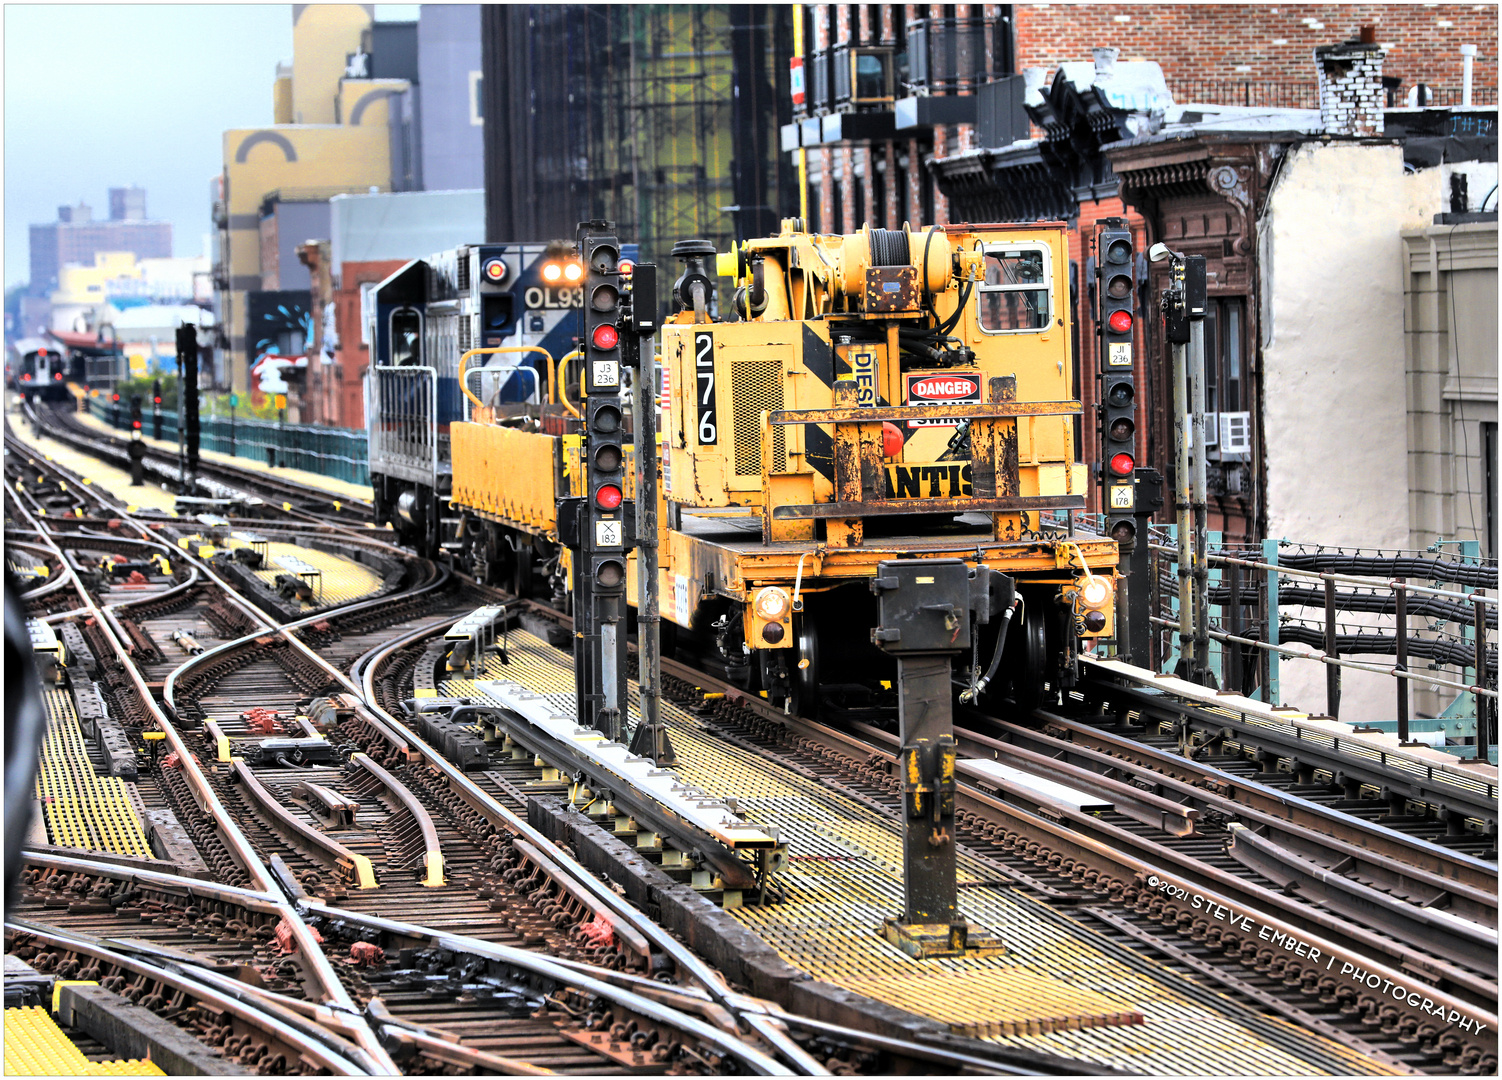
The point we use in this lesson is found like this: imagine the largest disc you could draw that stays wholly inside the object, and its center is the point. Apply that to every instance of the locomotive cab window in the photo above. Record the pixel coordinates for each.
(406, 337)
(1015, 295)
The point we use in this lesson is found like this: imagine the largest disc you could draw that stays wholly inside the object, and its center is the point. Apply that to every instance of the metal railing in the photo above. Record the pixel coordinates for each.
(339, 453)
(1304, 95)
(1269, 95)
(401, 405)
(1302, 602)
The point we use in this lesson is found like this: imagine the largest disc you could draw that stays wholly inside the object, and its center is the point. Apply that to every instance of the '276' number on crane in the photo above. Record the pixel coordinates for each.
(709, 431)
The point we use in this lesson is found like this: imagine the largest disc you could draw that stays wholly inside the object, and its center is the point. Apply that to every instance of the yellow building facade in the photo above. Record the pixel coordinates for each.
(338, 142)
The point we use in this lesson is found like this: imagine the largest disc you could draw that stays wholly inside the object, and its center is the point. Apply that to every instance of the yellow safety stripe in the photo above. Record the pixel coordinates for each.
(82, 809)
(36, 1046)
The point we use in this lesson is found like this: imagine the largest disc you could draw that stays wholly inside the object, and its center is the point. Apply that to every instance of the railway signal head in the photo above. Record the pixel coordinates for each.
(1092, 603)
(1118, 406)
(1118, 289)
(597, 270)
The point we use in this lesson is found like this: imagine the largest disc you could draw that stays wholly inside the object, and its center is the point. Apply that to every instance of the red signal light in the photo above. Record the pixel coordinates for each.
(1122, 464)
(136, 424)
(115, 398)
(1120, 322)
(57, 374)
(625, 267)
(156, 401)
(608, 497)
(606, 336)
(27, 378)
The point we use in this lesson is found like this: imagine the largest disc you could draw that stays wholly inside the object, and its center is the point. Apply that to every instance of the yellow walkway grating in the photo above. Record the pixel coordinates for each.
(82, 809)
(36, 1046)
(1057, 989)
(344, 580)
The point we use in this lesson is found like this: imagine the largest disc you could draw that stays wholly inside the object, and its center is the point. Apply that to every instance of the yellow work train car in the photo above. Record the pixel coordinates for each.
(880, 395)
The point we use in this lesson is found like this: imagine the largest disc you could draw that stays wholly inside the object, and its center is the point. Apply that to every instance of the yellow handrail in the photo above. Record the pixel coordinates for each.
(464, 359)
(563, 392)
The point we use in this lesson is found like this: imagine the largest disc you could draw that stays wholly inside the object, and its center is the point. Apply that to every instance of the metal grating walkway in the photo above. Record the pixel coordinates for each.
(1059, 989)
(81, 808)
(36, 1046)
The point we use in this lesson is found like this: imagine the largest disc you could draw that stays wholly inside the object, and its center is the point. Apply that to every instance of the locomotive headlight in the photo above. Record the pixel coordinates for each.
(552, 272)
(1095, 592)
(772, 603)
(572, 272)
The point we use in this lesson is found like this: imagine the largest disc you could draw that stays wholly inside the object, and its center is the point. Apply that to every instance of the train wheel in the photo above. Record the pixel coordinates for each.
(803, 680)
(1028, 661)
(791, 676)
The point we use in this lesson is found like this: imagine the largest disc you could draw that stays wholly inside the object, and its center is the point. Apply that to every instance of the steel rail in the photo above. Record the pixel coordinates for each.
(294, 1037)
(692, 999)
(1449, 936)
(318, 1021)
(1207, 891)
(1241, 893)
(1352, 851)
(1265, 802)
(281, 820)
(686, 962)
(547, 968)
(1380, 763)
(432, 851)
(320, 968)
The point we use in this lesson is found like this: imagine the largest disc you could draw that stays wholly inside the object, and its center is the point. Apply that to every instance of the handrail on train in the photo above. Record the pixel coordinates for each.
(563, 383)
(464, 359)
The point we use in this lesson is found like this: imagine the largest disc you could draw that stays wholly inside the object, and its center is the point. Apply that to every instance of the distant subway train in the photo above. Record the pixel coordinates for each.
(43, 367)
(38, 368)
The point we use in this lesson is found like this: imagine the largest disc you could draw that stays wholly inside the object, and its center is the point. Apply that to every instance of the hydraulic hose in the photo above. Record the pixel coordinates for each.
(969, 696)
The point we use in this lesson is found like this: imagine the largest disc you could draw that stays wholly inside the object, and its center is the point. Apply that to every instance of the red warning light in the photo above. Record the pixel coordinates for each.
(1120, 322)
(608, 497)
(606, 336)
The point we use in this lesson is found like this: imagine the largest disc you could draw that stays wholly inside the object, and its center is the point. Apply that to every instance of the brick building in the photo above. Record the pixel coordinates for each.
(1265, 49)
(975, 160)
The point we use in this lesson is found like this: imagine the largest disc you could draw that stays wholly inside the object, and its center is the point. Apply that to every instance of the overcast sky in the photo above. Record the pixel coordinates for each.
(102, 96)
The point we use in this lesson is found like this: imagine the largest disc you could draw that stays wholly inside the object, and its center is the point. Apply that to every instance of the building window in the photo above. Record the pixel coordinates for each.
(476, 99)
(1014, 298)
(1228, 418)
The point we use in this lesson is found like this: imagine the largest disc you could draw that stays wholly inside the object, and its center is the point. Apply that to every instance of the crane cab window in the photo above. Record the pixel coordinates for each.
(1014, 297)
(406, 337)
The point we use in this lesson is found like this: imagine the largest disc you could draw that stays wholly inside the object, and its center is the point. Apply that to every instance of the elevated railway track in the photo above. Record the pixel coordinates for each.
(439, 919)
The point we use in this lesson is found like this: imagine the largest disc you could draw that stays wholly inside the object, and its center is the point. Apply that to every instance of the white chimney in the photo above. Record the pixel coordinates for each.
(1468, 54)
(1351, 97)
